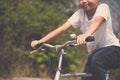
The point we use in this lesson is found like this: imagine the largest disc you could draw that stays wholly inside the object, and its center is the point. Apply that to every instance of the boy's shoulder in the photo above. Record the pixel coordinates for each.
(103, 4)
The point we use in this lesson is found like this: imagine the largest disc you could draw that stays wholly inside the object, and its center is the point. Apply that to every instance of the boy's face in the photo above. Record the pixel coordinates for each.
(88, 5)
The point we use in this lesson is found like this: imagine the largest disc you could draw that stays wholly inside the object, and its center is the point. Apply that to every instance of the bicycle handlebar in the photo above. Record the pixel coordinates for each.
(40, 48)
(68, 43)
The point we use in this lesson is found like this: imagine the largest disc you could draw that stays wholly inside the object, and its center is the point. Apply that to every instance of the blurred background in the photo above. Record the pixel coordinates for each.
(22, 21)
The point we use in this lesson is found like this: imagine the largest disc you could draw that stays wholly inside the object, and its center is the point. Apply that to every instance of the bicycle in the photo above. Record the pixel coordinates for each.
(61, 52)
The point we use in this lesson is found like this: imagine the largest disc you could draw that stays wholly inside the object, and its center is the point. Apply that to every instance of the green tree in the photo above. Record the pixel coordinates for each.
(20, 22)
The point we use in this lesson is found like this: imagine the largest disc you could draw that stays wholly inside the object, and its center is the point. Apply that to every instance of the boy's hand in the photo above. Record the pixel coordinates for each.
(34, 44)
(81, 39)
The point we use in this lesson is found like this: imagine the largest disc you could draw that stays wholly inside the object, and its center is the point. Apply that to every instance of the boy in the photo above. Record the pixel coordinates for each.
(93, 18)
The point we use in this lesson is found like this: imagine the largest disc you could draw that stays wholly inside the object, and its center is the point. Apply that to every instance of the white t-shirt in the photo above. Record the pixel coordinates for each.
(104, 35)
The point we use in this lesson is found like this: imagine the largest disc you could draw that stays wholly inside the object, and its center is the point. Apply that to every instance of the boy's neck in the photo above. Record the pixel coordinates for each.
(91, 13)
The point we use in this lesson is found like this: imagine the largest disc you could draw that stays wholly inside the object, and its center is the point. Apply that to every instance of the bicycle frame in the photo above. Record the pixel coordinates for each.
(61, 52)
(59, 74)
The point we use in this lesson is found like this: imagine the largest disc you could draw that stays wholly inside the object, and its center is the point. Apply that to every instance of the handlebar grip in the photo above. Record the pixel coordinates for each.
(39, 48)
(90, 38)
(39, 45)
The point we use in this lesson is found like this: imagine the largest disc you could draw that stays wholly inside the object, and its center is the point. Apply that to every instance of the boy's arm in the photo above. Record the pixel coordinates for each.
(92, 27)
(52, 34)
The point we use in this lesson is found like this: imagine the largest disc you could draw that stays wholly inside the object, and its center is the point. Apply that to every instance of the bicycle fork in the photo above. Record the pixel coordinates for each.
(58, 72)
(107, 75)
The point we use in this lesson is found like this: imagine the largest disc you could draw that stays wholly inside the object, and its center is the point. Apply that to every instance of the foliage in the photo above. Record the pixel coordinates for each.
(22, 21)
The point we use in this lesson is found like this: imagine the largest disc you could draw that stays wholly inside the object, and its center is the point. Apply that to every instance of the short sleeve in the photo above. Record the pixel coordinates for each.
(103, 10)
(75, 19)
